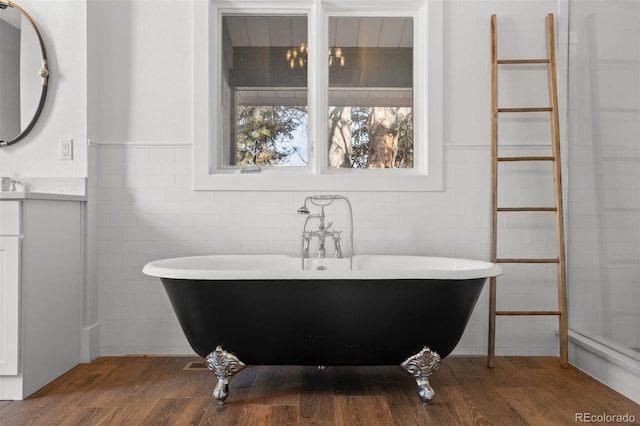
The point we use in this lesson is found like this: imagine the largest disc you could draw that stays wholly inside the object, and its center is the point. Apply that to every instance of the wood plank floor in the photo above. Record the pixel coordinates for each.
(157, 391)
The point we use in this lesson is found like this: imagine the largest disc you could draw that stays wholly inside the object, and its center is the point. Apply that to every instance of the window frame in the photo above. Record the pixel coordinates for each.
(427, 174)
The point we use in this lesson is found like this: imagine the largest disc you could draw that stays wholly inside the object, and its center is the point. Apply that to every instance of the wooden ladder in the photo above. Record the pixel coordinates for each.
(552, 109)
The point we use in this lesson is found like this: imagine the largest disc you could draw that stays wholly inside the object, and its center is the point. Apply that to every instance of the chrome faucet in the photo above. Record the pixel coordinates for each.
(324, 230)
(322, 233)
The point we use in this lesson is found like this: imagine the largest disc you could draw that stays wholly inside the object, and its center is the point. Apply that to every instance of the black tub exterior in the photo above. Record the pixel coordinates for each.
(323, 322)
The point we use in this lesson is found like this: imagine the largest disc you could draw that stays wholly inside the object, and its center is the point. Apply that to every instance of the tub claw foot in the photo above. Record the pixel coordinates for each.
(421, 366)
(224, 365)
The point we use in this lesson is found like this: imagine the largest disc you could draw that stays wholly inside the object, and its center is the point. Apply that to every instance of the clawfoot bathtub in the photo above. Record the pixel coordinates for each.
(263, 309)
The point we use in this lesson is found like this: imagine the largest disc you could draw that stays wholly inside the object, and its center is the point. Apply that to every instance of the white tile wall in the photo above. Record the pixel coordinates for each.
(147, 211)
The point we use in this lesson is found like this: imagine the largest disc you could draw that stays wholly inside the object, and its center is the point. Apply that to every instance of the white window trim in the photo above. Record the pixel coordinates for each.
(427, 175)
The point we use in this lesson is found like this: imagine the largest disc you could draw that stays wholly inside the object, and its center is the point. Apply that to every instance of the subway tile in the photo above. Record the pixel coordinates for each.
(202, 196)
(111, 181)
(269, 196)
(111, 168)
(136, 155)
(175, 168)
(113, 155)
(109, 195)
(161, 194)
(186, 182)
(148, 168)
(162, 181)
(160, 155)
(255, 246)
(228, 197)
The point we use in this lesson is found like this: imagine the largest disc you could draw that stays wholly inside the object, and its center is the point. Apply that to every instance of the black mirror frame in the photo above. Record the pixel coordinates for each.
(44, 74)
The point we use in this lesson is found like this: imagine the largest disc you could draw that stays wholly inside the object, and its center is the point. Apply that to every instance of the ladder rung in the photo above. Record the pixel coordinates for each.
(527, 158)
(528, 260)
(528, 313)
(524, 61)
(527, 209)
(525, 109)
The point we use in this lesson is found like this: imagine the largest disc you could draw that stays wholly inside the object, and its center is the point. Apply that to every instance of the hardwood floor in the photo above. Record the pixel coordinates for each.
(157, 391)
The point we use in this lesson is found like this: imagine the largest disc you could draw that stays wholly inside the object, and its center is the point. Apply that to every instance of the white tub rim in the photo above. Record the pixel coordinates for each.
(440, 268)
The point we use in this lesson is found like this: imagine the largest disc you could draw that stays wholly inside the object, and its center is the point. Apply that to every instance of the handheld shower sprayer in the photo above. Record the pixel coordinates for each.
(319, 201)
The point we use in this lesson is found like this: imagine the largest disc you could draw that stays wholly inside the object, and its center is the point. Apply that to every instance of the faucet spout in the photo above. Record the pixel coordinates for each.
(322, 251)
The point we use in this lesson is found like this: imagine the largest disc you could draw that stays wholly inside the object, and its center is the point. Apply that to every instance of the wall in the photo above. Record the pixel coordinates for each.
(63, 25)
(140, 121)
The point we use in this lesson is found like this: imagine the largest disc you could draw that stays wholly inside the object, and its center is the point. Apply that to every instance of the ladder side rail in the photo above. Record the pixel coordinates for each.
(494, 189)
(557, 166)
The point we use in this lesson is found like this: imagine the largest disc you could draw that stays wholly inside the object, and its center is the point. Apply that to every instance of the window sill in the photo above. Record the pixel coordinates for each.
(302, 180)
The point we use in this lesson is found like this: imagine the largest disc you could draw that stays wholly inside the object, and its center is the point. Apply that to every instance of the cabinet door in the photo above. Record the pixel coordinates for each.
(9, 305)
(9, 218)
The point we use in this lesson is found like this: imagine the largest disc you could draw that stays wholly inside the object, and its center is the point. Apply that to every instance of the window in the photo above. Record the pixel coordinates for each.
(370, 63)
(318, 95)
(264, 91)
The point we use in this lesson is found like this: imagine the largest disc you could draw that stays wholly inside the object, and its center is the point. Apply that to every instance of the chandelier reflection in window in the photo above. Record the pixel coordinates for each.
(297, 57)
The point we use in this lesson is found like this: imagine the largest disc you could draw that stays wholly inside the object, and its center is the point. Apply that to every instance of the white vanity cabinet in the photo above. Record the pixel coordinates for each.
(41, 282)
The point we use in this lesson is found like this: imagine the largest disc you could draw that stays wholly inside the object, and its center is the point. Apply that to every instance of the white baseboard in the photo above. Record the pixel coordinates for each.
(605, 361)
(12, 388)
(90, 343)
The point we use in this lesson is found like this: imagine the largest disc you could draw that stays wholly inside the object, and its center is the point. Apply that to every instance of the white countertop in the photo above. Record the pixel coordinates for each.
(21, 195)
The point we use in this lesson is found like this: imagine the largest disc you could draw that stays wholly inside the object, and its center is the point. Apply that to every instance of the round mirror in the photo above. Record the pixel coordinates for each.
(23, 73)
